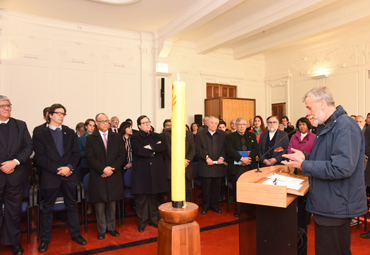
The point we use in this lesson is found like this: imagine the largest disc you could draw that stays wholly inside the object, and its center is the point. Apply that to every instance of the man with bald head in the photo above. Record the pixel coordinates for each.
(114, 123)
(105, 153)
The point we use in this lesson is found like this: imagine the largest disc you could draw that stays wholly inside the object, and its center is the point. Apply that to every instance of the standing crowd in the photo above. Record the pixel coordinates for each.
(331, 155)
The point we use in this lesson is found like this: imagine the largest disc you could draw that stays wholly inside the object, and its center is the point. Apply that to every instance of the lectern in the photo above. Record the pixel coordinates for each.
(274, 230)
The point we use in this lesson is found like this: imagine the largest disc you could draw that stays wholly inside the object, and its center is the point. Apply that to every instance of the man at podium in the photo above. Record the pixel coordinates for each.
(335, 168)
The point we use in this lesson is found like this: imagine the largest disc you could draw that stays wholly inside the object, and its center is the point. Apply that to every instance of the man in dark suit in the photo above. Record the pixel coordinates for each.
(210, 148)
(241, 140)
(189, 167)
(114, 123)
(15, 148)
(269, 139)
(105, 153)
(287, 126)
(57, 154)
(367, 169)
(148, 172)
(44, 125)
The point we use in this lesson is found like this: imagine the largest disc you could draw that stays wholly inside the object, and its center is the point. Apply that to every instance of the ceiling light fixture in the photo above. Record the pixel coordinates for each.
(117, 2)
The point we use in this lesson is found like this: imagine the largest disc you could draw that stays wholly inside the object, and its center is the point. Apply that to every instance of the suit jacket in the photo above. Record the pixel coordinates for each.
(212, 146)
(367, 153)
(289, 129)
(39, 128)
(19, 147)
(277, 155)
(233, 145)
(105, 190)
(49, 160)
(189, 151)
(149, 175)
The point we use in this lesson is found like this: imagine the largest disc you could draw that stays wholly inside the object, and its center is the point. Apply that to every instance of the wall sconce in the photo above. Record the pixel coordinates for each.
(319, 76)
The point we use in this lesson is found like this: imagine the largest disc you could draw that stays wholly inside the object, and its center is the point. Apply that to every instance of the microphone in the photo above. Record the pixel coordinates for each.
(258, 162)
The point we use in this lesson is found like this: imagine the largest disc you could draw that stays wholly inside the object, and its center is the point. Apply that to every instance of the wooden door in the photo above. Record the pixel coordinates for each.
(278, 110)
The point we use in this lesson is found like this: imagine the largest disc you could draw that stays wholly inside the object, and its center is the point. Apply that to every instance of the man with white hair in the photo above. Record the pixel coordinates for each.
(210, 148)
(269, 139)
(335, 168)
(360, 121)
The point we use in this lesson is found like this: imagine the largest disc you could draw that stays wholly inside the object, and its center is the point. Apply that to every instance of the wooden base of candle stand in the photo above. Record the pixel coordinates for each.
(178, 233)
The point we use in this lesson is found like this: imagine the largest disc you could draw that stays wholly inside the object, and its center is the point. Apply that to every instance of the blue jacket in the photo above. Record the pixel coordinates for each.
(82, 145)
(335, 168)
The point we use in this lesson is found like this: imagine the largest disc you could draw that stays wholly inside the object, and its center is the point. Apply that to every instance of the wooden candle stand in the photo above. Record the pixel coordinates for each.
(178, 232)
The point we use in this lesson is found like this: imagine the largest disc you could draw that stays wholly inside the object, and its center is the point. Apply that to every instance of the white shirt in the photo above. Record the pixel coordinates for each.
(5, 122)
(303, 136)
(271, 134)
(106, 135)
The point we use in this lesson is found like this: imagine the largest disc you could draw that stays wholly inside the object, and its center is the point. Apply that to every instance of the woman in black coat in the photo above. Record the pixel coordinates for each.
(148, 172)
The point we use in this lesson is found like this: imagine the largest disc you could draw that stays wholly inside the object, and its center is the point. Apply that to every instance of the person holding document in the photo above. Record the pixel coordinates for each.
(210, 148)
(242, 149)
(335, 168)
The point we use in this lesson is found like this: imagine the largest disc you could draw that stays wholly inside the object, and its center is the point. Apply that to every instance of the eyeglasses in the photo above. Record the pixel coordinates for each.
(3, 106)
(103, 121)
(272, 122)
(60, 113)
(241, 125)
(114, 121)
(146, 122)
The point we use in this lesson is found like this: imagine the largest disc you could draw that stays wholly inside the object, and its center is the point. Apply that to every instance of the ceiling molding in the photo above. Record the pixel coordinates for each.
(192, 18)
(351, 13)
(273, 15)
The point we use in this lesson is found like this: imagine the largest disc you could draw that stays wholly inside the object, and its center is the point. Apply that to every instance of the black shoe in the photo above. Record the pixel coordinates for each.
(141, 229)
(101, 236)
(366, 235)
(236, 214)
(43, 246)
(113, 233)
(17, 249)
(153, 224)
(79, 239)
(217, 210)
(204, 211)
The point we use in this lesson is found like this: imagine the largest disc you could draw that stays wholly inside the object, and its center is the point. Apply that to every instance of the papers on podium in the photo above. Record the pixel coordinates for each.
(290, 182)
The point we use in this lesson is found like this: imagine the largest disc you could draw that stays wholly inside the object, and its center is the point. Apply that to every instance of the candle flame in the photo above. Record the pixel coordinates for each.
(178, 77)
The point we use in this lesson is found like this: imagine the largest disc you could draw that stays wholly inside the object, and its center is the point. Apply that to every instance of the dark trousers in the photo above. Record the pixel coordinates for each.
(12, 198)
(188, 190)
(105, 216)
(49, 197)
(333, 240)
(211, 190)
(234, 178)
(146, 208)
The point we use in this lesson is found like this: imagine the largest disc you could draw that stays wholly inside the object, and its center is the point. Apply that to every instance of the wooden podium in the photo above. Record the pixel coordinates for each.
(274, 230)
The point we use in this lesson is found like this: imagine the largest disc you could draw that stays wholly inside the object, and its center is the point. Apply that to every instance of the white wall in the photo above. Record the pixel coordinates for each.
(91, 69)
(344, 56)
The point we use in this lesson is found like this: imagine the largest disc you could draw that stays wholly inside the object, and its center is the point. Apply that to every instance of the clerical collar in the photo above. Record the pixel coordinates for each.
(54, 128)
(212, 133)
(4, 122)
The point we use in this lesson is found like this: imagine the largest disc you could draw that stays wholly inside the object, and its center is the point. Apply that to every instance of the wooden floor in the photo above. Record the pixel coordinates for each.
(219, 235)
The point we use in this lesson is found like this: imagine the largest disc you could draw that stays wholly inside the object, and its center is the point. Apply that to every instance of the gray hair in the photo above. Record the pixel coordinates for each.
(97, 116)
(320, 93)
(360, 116)
(4, 98)
(239, 119)
(213, 117)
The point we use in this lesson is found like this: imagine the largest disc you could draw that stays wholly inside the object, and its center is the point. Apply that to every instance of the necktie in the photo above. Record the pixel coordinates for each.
(115, 130)
(244, 146)
(105, 140)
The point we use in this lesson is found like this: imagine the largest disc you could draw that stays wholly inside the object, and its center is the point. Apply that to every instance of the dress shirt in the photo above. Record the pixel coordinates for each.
(303, 135)
(271, 134)
(106, 135)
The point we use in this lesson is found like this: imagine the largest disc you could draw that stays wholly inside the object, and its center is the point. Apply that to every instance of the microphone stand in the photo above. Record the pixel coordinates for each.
(258, 162)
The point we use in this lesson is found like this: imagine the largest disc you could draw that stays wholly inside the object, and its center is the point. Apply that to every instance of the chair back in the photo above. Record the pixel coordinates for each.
(86, 182)
(127, 178)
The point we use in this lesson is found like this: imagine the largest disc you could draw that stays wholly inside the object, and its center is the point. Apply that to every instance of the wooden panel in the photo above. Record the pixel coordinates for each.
(235, 108)
(212, 107)
(224, 92)
(209, 92)
(216, 92)
(278, 110)
(232, 92)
